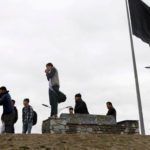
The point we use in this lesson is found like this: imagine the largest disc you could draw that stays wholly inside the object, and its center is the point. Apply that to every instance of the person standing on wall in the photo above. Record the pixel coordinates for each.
(53, 78)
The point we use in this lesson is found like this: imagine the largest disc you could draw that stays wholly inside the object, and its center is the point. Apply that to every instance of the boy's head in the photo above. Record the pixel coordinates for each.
(26, 102)
(70, 110)
(3, 89)
(78, 97)
(49, 66)
(109, 105)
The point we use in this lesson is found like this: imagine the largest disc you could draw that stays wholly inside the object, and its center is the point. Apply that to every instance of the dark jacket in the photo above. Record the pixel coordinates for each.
(1, 95)
(81, 108)
(112, 112)
(5, 100)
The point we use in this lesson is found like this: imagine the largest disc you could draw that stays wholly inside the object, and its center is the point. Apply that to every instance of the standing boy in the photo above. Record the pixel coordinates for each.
(27, 117)
(53, 78)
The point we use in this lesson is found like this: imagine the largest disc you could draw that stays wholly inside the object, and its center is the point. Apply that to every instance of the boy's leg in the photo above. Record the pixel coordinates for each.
(55, 101)
(6, 124)
(52, 101)
(13, 128)
(12, 116)
(29, 128)
(3, 128)
(24, 130)
(9, 122)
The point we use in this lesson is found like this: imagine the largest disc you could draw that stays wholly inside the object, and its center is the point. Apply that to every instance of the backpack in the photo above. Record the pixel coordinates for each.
(16, 115)
(35, 118)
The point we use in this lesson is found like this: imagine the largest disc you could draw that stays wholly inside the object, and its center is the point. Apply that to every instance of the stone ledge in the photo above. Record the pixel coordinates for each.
(88, 119)
(71, 124)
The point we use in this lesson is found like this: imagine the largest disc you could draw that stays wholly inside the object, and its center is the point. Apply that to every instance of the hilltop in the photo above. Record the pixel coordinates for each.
(74, 142)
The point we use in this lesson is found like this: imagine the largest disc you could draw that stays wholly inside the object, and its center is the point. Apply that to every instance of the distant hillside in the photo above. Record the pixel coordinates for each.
(74, 142)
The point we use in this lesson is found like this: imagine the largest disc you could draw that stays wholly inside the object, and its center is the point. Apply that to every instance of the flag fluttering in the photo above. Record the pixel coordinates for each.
(140, 19)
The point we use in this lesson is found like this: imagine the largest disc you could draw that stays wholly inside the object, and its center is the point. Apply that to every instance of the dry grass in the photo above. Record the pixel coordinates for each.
(74, 142)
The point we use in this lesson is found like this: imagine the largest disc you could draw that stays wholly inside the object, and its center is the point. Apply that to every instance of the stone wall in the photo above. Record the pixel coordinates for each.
(89, 124)
(85, 119)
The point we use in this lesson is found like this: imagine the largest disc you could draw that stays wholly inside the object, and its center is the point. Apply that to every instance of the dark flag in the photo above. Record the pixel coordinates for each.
(140, 18)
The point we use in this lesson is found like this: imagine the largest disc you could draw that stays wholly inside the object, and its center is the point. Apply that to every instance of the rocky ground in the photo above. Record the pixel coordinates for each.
(74, 142)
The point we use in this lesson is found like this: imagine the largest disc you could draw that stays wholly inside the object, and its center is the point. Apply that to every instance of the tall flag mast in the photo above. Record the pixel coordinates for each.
(134, 26)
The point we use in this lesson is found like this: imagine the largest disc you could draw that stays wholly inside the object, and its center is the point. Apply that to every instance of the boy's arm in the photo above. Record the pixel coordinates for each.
(22, 114)
(16, 117)
(85, 108)
(1, 100)
(31, 114)
(51, 74)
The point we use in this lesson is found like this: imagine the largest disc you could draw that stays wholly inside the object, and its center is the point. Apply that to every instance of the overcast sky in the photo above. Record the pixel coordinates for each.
(87, 41)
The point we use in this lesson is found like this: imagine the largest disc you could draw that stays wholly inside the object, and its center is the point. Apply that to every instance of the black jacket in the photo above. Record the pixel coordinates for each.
(112, 112)
(81, 108)
(5, 100)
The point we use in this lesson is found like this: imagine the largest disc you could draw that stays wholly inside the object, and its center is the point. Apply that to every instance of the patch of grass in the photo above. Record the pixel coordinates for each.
(10, 139)
(48, 148)
(24, 148)
(42, 146)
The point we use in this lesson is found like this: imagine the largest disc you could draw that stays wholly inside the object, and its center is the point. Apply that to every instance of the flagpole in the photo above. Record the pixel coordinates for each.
(135, 72)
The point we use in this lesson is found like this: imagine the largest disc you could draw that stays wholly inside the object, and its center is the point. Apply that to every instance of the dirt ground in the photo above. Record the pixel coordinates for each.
(74, 142)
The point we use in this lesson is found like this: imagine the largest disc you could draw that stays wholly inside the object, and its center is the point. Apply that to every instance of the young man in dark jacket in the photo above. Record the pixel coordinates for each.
(8, 111)
(80, 106)
(53, 78)
(111, 110)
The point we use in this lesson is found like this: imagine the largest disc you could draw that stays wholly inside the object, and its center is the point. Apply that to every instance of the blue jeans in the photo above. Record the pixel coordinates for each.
(27, 127)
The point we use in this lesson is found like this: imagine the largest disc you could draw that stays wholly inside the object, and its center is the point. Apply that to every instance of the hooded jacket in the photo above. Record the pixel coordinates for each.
(112, 112)
(5, 100)
(81, 107)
